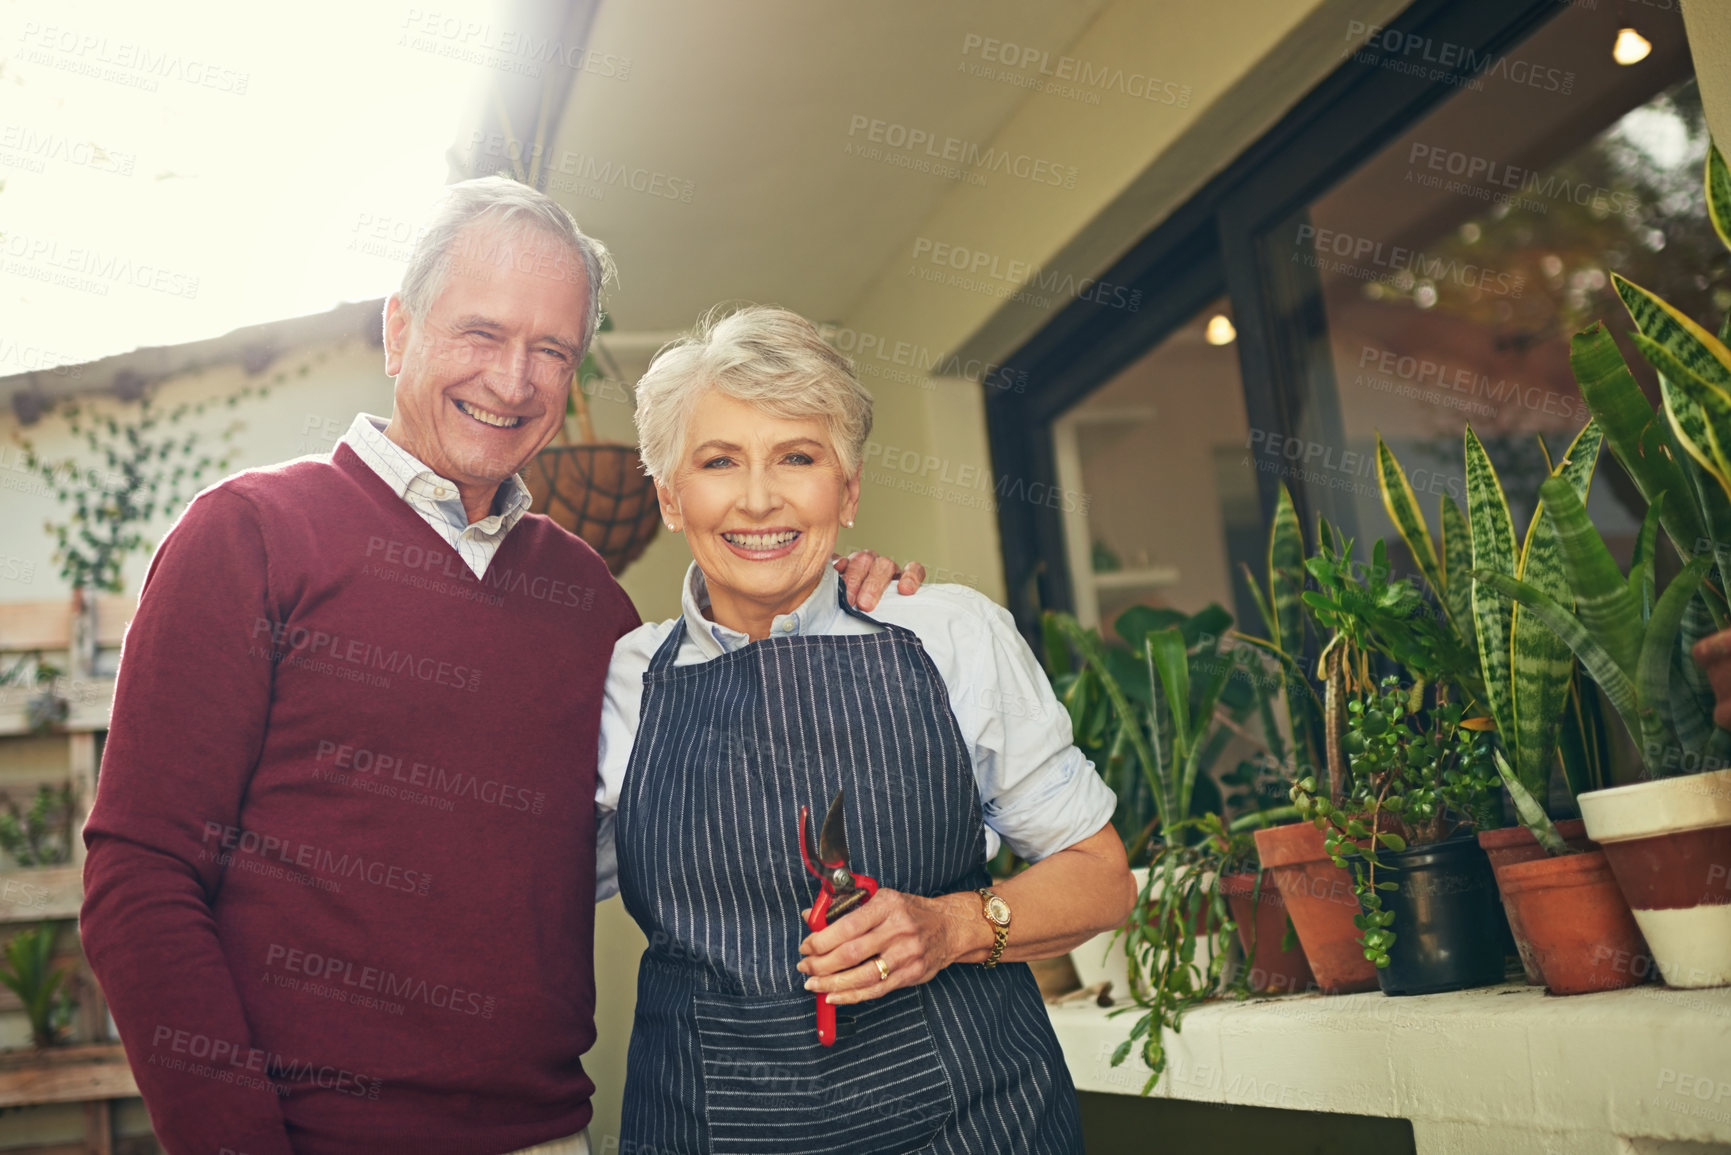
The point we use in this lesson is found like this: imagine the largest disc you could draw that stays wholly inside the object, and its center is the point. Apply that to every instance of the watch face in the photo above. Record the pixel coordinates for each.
(998, 910)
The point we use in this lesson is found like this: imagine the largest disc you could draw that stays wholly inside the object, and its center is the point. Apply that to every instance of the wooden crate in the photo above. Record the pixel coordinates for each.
(96, 1073)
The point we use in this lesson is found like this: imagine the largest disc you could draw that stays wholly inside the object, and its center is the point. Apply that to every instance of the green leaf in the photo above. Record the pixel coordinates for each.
(1286, 575)
(1719, 194)
(1493, 541)
(1661, 321)
(1457, 549)
(1658, 648)
(1402, 506)
(1602, 598)
(1638, 436)
(1391, 840)
(1700, 413)
(1533, 815)
(1619, 686)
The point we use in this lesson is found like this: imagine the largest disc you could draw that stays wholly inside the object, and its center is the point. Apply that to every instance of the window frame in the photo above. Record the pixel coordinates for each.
(1209, 247)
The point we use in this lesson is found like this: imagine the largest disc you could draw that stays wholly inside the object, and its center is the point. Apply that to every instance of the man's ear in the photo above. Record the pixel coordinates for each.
(669, 505)
(396, 334)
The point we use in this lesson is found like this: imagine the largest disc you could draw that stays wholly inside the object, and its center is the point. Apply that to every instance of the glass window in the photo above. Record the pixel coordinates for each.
(1438, 284)
(1159, 452)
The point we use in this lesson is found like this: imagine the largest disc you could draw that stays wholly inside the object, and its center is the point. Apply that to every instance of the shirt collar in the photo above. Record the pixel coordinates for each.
(414, 481)
(814, 617)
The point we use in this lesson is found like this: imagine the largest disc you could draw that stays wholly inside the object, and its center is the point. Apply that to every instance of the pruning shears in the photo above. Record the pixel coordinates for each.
(842, 891)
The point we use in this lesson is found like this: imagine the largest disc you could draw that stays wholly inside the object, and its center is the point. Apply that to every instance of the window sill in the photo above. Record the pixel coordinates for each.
(1493, 1071)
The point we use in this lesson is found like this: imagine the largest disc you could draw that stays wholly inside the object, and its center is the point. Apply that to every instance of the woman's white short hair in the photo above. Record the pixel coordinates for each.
(760, 354)
(513, 209)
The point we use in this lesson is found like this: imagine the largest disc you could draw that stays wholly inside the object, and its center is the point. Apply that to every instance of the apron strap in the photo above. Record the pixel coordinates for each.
(669, 648)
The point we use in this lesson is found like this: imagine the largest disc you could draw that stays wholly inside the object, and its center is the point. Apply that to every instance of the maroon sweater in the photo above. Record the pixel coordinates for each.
(340, 888)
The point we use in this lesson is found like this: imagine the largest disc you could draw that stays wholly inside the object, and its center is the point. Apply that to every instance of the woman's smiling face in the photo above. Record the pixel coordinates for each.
(760, 499)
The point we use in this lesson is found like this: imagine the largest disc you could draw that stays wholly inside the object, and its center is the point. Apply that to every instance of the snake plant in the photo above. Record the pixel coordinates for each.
(1521, 671)
(1632, 643)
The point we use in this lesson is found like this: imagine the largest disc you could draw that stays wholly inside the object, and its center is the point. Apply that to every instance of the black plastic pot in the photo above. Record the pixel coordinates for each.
(1448, 919)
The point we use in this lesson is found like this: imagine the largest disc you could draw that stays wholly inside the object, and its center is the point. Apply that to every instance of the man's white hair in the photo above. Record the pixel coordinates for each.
(760, 354)
(513, 210)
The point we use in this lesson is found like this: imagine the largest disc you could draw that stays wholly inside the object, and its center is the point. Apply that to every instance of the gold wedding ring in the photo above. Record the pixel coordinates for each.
(883, 969)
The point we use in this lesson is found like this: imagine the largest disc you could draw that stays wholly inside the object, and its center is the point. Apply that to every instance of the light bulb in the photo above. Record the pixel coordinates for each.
(1631, 47)
(1219, 331)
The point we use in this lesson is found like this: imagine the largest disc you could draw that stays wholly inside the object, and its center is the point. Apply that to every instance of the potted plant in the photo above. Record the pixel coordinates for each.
(1529, 678)
(1664, 836)
(1316, 894)
(29, 970)
(1577, 930)
(1171, 711)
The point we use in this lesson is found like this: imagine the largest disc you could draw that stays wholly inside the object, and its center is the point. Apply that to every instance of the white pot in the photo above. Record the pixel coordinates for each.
(1669, 844)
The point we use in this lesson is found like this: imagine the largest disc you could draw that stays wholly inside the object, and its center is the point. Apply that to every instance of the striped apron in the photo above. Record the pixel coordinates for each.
(724, 1054)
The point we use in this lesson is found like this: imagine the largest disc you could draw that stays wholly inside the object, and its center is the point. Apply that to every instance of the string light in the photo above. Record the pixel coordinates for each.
(1220, 330)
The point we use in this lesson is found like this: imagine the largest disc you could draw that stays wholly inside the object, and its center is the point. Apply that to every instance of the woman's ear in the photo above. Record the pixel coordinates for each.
(669, 505)
(850, 500)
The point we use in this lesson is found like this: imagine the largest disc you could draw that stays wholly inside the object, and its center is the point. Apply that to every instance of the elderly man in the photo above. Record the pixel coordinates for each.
(341, 874)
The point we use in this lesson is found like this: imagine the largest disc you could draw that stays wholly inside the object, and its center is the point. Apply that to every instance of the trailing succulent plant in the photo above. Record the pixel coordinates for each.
(1416, 773)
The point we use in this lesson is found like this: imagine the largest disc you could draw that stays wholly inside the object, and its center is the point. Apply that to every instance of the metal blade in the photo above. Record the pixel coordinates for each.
(832, 843)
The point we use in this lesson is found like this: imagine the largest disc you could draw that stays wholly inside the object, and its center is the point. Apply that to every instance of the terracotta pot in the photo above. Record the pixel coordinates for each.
(1514, 844)
(1577, 924)
(601, 494)
(1261, 919)
(1669, 844)
(1321, 903)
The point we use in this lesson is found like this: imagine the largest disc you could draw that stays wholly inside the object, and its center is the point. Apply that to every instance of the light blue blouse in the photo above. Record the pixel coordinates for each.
(1038, 793)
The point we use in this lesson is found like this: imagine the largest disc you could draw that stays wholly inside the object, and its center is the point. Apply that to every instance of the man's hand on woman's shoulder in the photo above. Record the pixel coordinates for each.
(868, 575)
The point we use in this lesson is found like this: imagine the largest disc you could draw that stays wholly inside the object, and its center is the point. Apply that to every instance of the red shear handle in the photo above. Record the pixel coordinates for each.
(818, 920)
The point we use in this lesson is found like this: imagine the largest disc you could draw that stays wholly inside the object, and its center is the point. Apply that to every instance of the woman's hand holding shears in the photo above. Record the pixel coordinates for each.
(862, 949)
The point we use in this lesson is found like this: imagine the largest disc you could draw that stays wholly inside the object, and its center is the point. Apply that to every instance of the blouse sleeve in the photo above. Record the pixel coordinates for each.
(620, 709)
(1037, 790)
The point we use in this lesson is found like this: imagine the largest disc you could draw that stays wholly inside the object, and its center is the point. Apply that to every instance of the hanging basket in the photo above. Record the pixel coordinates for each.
(600, 493)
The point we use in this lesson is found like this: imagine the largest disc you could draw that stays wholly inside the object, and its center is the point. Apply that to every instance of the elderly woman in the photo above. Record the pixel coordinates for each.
(769, 692)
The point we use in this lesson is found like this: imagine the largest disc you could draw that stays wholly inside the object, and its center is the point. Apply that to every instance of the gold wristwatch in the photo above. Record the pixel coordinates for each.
(997, 912)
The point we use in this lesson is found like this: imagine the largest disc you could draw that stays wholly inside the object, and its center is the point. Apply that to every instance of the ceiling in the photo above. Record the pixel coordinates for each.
(750, 109)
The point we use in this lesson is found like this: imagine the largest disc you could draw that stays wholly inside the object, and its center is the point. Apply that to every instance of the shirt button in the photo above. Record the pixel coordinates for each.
(439, 491)
(787, 627)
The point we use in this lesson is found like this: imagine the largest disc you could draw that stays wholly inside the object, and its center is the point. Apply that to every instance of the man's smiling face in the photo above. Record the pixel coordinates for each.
(483, 376)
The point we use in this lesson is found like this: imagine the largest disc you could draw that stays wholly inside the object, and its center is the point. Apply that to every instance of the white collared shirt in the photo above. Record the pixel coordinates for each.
(1038, 793)
(435, 498)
